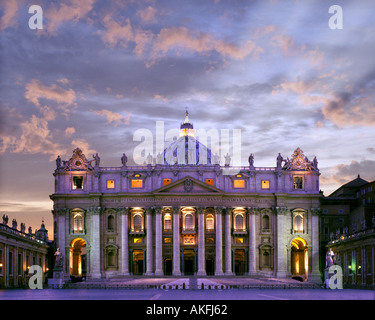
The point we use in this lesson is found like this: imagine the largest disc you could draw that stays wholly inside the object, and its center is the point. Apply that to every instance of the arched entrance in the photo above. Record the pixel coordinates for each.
(299, 259)
(77, 259)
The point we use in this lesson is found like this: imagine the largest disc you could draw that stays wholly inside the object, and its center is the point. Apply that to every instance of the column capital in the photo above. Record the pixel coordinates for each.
(148, 210)
(228, 210)
(253, 210)
(200, 210)
(281, 210)
(95, 210)
(219, 209)
(158, 210)
(123, 210)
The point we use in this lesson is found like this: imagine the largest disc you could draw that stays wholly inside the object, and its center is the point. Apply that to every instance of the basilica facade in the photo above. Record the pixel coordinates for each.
(174, 216)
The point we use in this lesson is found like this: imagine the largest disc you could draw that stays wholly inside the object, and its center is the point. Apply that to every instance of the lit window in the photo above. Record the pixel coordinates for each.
(137, 240)
(239, 183)
(110, 184)
(167, 222)
(77, 222)
(210, 240)
(189, 222)
(137, 183)
(168, 240)
(265, 184)
(210, 182)
(78, 182)
(167, 181)
(298, 223)
(210, 222)
(297, 183)
(239, 222)
(239, 240)
(138, 223)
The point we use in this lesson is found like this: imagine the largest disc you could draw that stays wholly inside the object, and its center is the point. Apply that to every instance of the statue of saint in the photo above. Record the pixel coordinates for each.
(97, 160)
(124, 160)
(329, 258)
(5, 219)
(59, 258)
(251, 161)
(227, 160)
(279, 161)
(58, 162)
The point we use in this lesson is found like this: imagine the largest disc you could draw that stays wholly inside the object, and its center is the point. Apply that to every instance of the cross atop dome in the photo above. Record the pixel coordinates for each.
(186, 129)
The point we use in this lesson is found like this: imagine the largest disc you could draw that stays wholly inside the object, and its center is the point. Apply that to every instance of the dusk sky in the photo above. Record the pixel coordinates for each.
(100, 70)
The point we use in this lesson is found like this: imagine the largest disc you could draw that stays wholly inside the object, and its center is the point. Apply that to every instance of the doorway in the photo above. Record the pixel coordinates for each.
(210, 266)
(239, 262)
(299, 259)
(189, 262)
(137, 262)
(77, 259)
(168, 266)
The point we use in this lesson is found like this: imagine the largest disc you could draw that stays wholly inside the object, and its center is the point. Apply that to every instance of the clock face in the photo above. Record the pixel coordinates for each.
(78, 163)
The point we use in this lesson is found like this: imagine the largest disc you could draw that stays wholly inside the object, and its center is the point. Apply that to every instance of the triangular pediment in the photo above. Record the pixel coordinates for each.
(188, 185)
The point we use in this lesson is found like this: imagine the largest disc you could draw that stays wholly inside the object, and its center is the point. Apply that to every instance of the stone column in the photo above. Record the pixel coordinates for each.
(228, 244)
(158, 242)
(315, 271)
(95, 257)
(149, 252)
(201, 244)
(62, 229)
(219, 242)
(124, 242)
(252, 242)
(281, 245)
(176, 241)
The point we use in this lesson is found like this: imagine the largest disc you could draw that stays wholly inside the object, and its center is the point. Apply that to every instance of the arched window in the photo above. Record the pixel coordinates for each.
(266, 222)
(298, 223)
(138, 223)
(111, 223)
(78, 222)
(189, 222)
(239, 222)
(167, 221)
(210, 222)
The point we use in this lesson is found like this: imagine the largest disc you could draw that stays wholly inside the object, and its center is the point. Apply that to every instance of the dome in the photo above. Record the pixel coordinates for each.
(186, 149)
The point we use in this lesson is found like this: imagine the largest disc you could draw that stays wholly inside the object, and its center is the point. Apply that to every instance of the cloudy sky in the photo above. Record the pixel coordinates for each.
(100, 70)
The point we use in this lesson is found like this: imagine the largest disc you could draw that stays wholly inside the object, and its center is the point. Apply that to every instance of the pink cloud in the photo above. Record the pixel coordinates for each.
(113, 117)
(10, 9)
(35, 90)
(148, 15)
(72, 10)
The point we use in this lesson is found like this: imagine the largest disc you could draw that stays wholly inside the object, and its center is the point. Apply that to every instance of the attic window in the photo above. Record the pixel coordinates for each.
(239, 184)
(136, 183)
(210, 182)
(77, 182)
(167, 181)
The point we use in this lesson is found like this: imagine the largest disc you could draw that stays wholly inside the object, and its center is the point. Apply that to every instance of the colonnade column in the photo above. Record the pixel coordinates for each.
(228, 244)
(176, 241)
(281, 246)
(149, 252)
(95, 258)
(219, 242)
(252, 242)
(158, 242)
(124, 242)
(201, 244)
